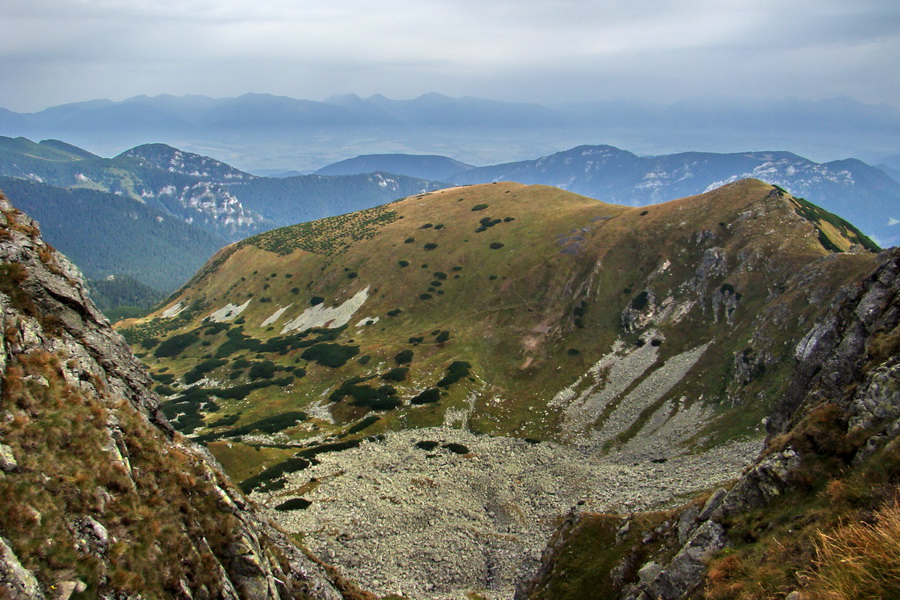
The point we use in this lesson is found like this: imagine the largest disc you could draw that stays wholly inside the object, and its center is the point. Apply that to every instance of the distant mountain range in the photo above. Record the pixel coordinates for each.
(440, 168)
(865, 195)
(156, 213)
(260, 132)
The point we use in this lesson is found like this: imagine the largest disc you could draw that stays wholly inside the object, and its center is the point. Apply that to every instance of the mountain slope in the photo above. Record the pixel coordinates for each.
(815, 516)
(145, 174)
(156, 213)
(106, 234)
(851, 188)
(513, 271)
(201, 190)
(101, 497)
(538, 335)
(435, 168)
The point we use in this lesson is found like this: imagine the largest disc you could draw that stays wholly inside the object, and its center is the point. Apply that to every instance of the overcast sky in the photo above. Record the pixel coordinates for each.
(551, 51)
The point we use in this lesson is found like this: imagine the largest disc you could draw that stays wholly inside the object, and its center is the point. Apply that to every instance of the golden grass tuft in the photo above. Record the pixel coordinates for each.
(859, 559)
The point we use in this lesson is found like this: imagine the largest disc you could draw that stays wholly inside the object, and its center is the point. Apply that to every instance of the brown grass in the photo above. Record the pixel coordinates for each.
(859, 559)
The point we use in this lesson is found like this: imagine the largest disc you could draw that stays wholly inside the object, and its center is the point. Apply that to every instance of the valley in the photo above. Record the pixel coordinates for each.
(410, 515)
(461, 368)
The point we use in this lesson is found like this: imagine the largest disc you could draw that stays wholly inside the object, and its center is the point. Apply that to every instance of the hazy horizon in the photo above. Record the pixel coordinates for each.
(549, 52)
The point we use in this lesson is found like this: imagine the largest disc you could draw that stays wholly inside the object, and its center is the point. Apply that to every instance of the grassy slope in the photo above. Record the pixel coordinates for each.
(509, 311)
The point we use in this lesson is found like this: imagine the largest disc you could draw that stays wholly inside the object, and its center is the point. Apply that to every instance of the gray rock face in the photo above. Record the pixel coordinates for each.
(92, 537)
(833, 354)
(687, 569)
(7, 459)
(18, 581)
(760, 484)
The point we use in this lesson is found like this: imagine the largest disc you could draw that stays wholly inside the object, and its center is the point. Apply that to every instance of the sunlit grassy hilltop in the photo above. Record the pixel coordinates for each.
(505, 309)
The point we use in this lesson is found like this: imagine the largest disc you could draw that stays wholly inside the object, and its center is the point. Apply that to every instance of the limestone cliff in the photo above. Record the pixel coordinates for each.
(101, 498)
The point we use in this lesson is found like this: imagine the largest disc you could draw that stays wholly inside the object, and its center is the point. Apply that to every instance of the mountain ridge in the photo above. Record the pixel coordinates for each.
(159, 187)
(435, 124)
(576, 340)
(849, 187)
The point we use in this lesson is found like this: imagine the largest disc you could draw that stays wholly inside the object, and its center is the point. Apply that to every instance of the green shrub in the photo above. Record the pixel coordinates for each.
(403, 263)
(226, 421)
(293, 504)
(175, 345)
(330, 355)
(315, 300)
(442, 337)
(262, 370)
(164, 390)
(479, 207)
(239, 392)
(367, 422)
(382, 398)
(214, 328)
(271, 479)
(427, 445)
(404, 357)
(430, 246)
(640, 301)
(456, 448)
(428, 396)
(197, 373)
(272, 424)
(396, 374)
(311, 453)
(456, 371)
(580, 309)
(496, 245)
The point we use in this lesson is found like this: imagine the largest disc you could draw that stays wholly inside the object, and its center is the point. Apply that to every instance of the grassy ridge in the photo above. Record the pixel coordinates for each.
(497, 297)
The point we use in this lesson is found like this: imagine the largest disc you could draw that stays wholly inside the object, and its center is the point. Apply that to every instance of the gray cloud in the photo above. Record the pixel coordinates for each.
(57, 51)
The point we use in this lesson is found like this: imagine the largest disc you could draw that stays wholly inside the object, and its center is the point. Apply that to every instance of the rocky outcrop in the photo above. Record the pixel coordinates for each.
(832, 357)
(847, 374)
(837, 365)
(100, 494)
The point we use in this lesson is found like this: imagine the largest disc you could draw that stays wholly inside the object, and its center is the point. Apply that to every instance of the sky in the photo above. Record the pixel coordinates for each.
(549, 51)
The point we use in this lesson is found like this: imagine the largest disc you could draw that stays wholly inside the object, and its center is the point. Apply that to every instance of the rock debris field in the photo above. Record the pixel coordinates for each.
(438, 523)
